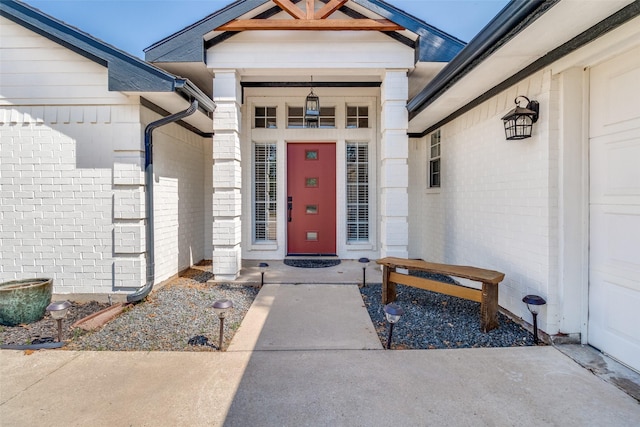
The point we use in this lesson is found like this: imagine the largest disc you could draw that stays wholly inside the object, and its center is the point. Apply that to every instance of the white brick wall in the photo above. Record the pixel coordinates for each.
(56, 198)
(497, 207)
(179, 202)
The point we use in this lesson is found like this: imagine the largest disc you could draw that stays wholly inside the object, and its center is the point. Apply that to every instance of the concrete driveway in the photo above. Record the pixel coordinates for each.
(307, 355)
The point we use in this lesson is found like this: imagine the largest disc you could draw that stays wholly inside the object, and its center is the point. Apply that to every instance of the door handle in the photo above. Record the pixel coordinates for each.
(289, 207)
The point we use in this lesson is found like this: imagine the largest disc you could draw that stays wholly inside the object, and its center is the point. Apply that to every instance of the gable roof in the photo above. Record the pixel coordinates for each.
(189, 44)
(126, 72)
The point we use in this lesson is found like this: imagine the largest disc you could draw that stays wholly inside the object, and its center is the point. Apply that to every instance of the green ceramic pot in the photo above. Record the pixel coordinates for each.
(24, 301)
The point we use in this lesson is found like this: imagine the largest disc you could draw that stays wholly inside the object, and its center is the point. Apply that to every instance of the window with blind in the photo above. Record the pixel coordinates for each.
(357, 192)
(434, 160)
(264, 193)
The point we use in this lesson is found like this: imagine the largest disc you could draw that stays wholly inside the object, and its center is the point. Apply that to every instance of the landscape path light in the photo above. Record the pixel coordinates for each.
(263, 269)
(221, 307)
(365, 264)
(392, 312)
(58, 311)
(533, 304)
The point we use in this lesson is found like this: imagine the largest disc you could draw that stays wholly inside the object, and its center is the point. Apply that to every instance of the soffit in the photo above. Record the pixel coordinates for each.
(557, 26)
(171, 103)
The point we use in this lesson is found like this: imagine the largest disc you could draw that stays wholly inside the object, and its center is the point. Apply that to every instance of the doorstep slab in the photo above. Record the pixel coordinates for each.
(306, 317)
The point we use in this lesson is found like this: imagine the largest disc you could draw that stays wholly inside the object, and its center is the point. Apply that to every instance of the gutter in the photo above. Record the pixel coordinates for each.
(141, 293)
(513, 18)
(191, 92)
(199, 101)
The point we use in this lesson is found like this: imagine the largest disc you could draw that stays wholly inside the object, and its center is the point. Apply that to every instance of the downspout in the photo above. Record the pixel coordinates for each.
(141, 293)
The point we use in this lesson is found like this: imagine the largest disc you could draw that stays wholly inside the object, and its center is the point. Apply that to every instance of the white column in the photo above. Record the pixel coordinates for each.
(394, 168)
(573, 202)
(227, 176)
(129, 208)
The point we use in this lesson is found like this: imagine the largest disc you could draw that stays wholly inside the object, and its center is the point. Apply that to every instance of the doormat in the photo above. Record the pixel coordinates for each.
(311, 263)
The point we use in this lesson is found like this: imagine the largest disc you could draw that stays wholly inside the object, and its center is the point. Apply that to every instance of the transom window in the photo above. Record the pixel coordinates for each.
(265, 193)
(357, 192)
(265, 117)
(295, 117)
(357, 117)
(434, 160)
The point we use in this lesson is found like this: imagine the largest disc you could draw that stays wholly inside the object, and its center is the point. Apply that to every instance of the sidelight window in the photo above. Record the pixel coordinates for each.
(265, 193)
(357, 192)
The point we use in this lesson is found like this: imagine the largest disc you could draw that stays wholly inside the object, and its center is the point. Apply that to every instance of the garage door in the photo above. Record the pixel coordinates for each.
(614, 259)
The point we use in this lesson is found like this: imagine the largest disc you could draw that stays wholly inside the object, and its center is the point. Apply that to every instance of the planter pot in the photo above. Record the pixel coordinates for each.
(24, 301)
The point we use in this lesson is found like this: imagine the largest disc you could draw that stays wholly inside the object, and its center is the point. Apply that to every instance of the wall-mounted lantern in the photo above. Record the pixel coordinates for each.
(518, 123)
(312, 109)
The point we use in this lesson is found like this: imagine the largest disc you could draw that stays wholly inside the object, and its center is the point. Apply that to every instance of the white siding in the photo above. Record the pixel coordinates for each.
(35, 70)
(366, 51)
(497, 206)
(179, 188)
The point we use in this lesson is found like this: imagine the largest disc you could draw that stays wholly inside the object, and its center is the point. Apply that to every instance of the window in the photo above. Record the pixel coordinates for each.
(357, 192)
(264, 117)
(295, 117)
(327, 117)
(357, 117)
(265, 192)
(434, 160)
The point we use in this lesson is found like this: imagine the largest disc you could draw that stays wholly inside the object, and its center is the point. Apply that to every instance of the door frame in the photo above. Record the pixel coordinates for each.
(281, 135)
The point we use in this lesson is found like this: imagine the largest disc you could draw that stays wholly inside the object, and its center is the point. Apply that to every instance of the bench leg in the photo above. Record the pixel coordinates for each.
(489, 307)
(388, 287)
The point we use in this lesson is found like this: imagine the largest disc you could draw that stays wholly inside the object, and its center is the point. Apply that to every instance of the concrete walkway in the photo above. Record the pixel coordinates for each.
(307, 355)
(306, 317)
(529, 386)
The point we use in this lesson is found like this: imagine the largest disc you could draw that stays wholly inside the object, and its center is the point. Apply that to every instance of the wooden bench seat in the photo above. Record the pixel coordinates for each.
(487, 297)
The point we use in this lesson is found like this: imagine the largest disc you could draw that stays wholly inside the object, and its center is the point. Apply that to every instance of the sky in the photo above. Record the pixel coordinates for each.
(132, 25)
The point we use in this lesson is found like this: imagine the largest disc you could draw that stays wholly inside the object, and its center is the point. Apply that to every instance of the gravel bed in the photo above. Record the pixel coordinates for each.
(177, 317)
(46, 329)
(434, 321)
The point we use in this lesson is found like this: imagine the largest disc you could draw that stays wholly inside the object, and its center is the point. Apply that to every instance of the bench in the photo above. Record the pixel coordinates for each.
(487, 297)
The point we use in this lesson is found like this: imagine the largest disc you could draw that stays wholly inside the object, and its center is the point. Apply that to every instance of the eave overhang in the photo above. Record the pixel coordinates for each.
(522, 39)
(126, 73)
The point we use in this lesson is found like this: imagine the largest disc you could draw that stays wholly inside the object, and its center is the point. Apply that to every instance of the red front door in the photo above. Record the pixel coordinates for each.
(311, 199)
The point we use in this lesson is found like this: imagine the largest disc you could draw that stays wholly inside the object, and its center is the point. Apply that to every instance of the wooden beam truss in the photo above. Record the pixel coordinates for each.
(310, 19)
